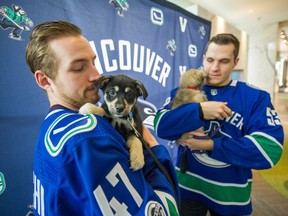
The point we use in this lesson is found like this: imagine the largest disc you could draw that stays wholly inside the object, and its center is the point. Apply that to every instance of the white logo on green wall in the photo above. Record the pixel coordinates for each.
(2, 183)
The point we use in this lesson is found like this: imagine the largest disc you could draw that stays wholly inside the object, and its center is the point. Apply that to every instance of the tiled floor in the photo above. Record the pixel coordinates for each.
(266, 200)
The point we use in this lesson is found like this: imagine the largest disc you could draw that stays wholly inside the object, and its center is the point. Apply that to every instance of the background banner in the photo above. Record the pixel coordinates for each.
(153, 41)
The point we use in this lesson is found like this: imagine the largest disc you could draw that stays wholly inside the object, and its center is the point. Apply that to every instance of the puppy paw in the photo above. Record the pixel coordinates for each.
(136, 161)
(136, 153)
(90, 108)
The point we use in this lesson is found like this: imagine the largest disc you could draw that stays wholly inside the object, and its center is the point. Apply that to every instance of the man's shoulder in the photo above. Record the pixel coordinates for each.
(251, 93)
(248, 86)
(68, 128)
(64, 133)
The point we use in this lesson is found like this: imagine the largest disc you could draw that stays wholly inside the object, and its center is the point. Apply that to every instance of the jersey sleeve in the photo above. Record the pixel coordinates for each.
(154, 176)
(98, 172)
(171, 124)
(261, 145)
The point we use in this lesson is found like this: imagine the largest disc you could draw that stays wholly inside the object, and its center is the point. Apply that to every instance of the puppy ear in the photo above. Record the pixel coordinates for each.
(141, 89)
(205, 74)
(101, 82)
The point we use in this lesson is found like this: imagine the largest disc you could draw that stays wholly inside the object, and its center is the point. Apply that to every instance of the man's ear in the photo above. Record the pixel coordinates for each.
(236, 62)
(42, 80)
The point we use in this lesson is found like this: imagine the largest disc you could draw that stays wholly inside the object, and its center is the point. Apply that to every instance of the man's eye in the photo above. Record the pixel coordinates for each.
(112, 92)
(225, 61)
(78, 69)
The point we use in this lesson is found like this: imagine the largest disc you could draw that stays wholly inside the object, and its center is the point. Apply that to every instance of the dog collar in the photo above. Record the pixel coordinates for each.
(130, 118)
(131, 114)
(190, 87)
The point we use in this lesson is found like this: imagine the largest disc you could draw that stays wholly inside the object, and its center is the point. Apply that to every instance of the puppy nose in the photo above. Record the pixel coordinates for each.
(120, 109)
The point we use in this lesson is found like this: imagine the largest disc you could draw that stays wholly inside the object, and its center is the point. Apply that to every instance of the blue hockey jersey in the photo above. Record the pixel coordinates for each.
(81, 167)
(251, 138)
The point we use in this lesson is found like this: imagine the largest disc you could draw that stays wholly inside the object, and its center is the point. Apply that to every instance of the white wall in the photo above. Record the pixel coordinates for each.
(262, 53)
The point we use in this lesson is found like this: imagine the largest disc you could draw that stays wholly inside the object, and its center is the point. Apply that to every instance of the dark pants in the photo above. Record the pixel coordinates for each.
(194, 208)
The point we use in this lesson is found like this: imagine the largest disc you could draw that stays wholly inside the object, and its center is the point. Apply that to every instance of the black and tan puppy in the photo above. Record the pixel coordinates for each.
(120, 96)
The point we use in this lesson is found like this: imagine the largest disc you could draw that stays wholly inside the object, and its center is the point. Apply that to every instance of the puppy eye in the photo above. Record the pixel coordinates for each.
(130, 94)
(112, 92)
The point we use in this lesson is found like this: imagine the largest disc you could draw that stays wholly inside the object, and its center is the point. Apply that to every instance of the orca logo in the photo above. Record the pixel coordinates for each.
(2, 183)
(192, 50)
(157, 16)
(204, 158)
(58, 133)
(154, 208)
(147, 111)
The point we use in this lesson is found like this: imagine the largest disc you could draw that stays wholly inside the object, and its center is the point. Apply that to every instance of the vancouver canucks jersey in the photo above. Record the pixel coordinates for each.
(81, 167)
(251, 138)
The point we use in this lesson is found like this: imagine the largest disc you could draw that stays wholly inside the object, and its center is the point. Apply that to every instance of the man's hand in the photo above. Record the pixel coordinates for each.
(196, 144)
(149, 138)
(215, 110)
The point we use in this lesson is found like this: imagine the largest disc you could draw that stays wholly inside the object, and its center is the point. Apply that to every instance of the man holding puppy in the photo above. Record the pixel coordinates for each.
(81, 164)
(242, 132)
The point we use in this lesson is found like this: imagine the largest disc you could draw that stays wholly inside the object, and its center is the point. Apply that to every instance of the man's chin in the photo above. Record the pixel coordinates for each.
(212, 82)
(93, 98)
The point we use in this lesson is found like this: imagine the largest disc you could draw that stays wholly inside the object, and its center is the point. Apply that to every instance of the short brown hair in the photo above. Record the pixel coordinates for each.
(38, 54)
(224, 39)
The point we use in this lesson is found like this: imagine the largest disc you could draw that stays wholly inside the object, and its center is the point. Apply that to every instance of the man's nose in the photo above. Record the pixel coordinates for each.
(94, 74)
(215, 65)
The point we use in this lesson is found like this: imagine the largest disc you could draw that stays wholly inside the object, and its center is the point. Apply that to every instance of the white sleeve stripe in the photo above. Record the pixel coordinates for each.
(260, 149)
(162, 112)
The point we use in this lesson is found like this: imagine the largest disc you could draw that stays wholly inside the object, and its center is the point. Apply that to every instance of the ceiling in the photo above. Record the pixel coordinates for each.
(247, 14)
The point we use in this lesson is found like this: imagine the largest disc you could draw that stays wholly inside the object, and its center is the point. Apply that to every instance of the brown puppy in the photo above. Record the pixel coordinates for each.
(190, 90)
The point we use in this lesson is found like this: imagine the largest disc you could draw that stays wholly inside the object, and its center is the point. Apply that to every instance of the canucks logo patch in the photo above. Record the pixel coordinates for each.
(154, 208)
(64, 127)
(204, 158)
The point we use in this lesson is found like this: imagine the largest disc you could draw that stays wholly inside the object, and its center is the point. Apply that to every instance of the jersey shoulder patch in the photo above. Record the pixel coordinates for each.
(64, 127)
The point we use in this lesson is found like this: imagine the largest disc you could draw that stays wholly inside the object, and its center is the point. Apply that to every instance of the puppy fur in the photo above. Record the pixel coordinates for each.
(120, 96)
(189, 90)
